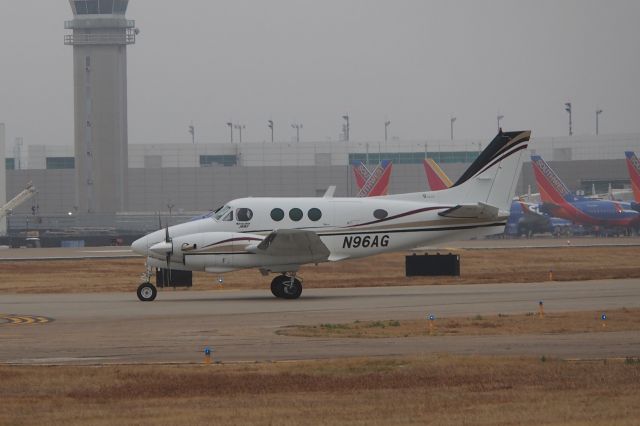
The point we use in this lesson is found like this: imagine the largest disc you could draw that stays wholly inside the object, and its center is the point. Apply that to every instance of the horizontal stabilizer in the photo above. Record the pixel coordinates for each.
(472, 211)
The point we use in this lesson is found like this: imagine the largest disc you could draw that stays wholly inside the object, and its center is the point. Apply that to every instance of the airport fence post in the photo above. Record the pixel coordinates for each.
(207, 355)
(431, 319)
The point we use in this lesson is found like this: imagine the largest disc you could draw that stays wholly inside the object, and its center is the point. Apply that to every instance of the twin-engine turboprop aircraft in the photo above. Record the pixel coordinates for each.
(278, 235)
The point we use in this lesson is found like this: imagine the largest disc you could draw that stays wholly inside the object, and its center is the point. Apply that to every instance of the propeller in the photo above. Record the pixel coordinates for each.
(168, 240)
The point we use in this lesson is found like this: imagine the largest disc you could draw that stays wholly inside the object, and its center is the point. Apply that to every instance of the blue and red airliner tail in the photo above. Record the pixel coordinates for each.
(558, 201)
(436, 178)
(375, 182)
(633, 164)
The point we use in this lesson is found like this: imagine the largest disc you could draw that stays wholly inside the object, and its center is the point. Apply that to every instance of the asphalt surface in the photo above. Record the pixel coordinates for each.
(241, 325)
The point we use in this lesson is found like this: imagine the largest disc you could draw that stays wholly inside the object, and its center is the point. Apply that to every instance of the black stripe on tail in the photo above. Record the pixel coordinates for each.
(501, 147)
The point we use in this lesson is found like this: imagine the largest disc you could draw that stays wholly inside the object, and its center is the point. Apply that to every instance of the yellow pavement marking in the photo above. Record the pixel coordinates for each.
(14, 319)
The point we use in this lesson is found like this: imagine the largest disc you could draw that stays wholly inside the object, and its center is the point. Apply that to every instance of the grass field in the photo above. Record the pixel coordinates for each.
(478, 266)
(415, 391)
(532, 323)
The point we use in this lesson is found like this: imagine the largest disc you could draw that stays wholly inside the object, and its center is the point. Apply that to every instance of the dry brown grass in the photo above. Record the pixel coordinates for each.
(532, 323)
(477, 266)
(419, 390)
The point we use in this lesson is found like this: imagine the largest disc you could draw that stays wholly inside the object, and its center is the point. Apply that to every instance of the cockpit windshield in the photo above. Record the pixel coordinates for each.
(221, 212)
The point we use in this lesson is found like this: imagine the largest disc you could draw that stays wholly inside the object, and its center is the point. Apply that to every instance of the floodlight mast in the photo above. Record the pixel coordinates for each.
(598, 112)
(297, 127)
(386, 130)
(270, 125)
(568, 108)
(453, 120)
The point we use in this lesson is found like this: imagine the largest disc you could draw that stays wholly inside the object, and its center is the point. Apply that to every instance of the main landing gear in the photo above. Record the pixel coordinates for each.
(286, 287)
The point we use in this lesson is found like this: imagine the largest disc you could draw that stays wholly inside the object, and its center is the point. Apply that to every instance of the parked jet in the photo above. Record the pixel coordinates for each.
(372, 183)
(278, 235)
(633, 164)
(524, 218)
(558, 201)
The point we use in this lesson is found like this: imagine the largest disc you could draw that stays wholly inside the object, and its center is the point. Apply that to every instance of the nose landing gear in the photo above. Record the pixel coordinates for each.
(286, 287)
(147, 292)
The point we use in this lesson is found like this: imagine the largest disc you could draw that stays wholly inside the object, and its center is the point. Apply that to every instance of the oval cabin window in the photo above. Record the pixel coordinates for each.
(314, 214)
(295, 214)
(380, 214)
(277, 214)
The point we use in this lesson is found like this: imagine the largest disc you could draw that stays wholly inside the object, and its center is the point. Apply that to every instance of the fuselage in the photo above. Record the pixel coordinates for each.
(595, 212)
(349, 227)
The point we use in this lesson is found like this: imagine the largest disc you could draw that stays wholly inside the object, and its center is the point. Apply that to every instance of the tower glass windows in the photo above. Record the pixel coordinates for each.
(102, 7)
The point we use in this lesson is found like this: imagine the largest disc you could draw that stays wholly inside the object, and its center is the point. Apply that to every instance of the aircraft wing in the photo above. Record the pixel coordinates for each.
(472, 211)
(293, 243)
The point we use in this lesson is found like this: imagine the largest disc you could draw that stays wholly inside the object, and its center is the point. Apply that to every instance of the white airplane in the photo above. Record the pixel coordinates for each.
(278, 235)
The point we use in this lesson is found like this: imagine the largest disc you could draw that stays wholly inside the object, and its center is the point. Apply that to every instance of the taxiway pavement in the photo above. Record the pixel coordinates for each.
(241, 325)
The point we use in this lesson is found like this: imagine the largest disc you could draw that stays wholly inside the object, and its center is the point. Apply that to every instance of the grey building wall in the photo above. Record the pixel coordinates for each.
(205, 188)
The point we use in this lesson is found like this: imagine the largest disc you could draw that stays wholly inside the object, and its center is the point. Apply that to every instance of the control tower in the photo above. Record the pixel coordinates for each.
(100, 37)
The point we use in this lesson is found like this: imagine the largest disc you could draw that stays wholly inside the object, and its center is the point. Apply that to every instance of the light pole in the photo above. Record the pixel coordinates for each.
(239, 128)
(297, 126)
(453, 120)
(386, 126)
(192, 131)
(567, 107)
(270, 124)
(230, 124)
(347, 128)
(598, 112)
(500, 117)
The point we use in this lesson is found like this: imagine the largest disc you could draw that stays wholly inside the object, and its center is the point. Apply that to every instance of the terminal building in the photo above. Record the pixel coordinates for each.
(187, 179)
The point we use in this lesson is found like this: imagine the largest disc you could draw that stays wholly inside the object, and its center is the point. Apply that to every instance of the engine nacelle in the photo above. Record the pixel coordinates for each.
(214, 243)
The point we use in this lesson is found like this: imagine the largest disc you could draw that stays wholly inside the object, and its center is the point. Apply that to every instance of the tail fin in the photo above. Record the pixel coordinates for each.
(374, 183)
(633, 164)
(550, 186)
(361, 173)
(491, 179)
(436, 178)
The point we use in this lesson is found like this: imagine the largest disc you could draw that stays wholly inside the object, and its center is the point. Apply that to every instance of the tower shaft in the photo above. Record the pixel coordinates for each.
(100, 37)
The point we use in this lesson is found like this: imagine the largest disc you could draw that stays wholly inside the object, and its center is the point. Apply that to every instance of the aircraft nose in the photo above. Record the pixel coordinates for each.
(141, 246)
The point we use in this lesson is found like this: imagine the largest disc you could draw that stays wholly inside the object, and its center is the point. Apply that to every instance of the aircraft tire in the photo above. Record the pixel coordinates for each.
(292, 292)
(277, 285)
(147, 292)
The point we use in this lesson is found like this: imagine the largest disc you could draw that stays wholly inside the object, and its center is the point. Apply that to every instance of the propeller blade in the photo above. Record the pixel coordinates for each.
(169, 268)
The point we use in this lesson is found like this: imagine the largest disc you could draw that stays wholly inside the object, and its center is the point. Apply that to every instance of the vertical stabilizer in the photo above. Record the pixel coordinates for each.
(373, 183)
(436, 178)
(360, 172)
(633, 164)
(550, 186)
(492, 177)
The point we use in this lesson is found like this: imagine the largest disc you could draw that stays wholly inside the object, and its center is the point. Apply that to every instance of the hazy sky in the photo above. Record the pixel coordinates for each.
(415, 62)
